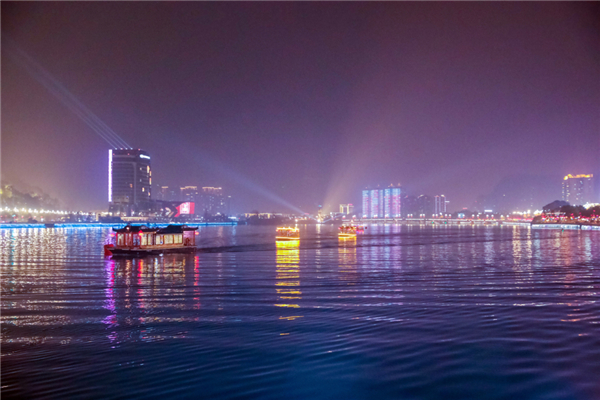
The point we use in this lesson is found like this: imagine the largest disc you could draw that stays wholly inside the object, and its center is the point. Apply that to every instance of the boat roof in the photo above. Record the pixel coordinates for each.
(135, 229)
(176, 229)
(145, 229)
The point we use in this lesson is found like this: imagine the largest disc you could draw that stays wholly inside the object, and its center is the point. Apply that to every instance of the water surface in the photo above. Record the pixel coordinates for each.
(402, 312)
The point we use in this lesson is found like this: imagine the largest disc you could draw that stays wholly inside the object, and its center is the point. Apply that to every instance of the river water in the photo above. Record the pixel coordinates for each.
(401, 312)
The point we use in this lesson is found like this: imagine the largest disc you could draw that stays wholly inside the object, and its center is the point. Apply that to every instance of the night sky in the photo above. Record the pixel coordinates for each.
(305, 103)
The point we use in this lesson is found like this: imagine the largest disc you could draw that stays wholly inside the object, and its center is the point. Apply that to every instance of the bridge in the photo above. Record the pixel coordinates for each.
(439, 221)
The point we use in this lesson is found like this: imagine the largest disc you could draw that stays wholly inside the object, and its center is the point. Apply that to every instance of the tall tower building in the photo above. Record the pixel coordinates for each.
(374, 203)
(439, 204)
(578, 189)
(129, 181)
(396, 202)
(382, 203)
(366, 204)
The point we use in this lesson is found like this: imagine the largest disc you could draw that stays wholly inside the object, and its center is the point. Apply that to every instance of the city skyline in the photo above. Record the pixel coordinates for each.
(307, 120)
(305, 200)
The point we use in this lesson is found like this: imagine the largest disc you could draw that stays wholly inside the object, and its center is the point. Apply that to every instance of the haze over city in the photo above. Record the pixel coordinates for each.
(305, 104)
(300, 200)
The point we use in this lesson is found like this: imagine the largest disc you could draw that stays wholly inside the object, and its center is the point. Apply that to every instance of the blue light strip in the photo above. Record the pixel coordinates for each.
(105, 225)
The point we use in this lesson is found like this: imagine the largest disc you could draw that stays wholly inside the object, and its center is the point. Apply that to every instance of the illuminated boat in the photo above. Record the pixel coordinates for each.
(350, 231)
(142, 240)
(287, 234)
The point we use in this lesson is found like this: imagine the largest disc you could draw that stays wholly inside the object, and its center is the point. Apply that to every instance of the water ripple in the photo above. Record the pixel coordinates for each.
(411, 312)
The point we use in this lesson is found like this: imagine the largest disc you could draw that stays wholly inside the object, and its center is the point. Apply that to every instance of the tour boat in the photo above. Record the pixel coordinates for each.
(288, 234)
(350, 231)
(140, 240)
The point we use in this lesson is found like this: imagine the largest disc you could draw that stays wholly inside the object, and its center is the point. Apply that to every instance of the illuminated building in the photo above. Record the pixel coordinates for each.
(346, 209)
(578, 189)
(212, 201)
(396, 200)
(440, 204)
(129, 181)
(366, 204)
(212, 190)
(374, 195)
(189, 193)
(382, 203)
(164, 193)
(387, 202)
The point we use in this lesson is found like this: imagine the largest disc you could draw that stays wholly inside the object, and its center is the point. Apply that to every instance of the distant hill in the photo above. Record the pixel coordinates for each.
(12, 197)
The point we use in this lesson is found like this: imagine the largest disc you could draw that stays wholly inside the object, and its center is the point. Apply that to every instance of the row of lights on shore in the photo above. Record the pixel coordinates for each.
(35, 211)
(486, 215)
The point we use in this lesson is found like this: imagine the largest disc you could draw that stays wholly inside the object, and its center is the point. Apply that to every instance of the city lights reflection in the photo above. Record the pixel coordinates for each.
(288, 276)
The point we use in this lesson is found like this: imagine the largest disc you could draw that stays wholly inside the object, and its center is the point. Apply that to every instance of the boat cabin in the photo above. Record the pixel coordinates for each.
(350, 230)
(145, 238)
(288, 234)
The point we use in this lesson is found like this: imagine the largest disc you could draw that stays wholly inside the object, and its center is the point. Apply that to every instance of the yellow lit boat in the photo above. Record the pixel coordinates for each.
(287, 234)
(349, 231)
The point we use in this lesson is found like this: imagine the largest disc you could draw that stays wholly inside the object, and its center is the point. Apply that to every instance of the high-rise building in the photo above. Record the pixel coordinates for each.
(387, 202)
(382, 203)
(396, 199)
(578, 189)
(129, 180)
(188, 193)
(374, 194)
(212, 201)
(440, 204)
(366, 204)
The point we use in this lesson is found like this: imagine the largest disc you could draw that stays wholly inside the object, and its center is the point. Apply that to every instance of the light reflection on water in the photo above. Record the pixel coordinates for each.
(399, 312)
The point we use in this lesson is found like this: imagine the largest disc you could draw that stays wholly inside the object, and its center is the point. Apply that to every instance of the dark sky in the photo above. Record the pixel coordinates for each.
(305, 103)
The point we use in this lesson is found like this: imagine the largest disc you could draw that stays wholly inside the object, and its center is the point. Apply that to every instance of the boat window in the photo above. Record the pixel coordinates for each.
(159, 239)
(120, 240)
(144, 240)
(189, 238)
(168, 239)
(178, 239)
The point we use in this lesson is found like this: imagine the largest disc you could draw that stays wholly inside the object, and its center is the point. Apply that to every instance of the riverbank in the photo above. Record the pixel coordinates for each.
(584, 227)
(108, 225)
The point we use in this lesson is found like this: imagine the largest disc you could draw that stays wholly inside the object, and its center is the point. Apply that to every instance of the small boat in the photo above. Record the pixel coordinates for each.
(350, 231)
(287, 234)
(142, 240)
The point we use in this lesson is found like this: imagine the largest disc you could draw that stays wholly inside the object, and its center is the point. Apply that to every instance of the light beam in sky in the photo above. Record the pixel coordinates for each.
(44, 77)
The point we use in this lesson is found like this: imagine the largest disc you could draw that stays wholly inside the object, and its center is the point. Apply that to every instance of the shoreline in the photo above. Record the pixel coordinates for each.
(109, 225)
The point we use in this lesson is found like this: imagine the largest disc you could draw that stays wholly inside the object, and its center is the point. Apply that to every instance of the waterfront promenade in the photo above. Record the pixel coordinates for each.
(109, 225)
